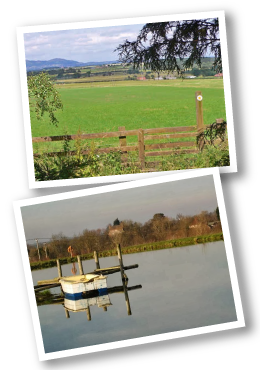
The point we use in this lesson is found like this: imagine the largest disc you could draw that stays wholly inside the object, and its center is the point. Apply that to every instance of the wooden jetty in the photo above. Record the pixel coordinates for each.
(85, 290)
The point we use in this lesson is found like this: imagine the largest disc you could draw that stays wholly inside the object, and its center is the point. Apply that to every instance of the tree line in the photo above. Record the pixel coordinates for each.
(158, 228)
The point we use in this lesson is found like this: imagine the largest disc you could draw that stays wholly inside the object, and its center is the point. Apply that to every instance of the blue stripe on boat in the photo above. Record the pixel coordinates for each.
(102, 291)
(73, 297)
(77, 296)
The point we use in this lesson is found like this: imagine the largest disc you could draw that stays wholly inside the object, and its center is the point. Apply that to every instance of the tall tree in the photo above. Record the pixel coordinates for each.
(162, 46)
(217, 213)
(116, 222)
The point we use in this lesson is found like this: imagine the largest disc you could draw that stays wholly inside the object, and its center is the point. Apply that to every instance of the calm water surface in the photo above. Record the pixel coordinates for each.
(182, 288)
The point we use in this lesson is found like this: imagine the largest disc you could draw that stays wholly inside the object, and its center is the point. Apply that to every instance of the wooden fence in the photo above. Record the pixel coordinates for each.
(172, 134)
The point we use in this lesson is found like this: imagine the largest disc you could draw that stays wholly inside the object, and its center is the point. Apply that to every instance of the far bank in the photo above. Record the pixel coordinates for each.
(182, 242)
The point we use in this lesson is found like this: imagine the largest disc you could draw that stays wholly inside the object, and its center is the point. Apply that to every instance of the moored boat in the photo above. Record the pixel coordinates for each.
(74, 286)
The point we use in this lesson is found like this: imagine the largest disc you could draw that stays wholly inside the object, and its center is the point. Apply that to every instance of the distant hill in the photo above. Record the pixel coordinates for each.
(36, 65)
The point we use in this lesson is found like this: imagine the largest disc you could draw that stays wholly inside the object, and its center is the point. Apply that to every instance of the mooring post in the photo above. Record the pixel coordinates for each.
(59, 268)
(88, 314)
(123, 279)
(81, 271)
(67, 313)
(38, 250)
(96, 260)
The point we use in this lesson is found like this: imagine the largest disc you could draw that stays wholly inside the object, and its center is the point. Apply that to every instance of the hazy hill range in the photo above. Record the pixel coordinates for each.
(36, 65)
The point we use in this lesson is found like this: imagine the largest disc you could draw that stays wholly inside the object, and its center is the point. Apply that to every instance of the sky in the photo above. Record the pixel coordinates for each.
(83, 45)
(73, 216)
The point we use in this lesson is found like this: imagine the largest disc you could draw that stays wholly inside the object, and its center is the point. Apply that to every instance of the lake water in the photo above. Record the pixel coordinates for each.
(182, 288)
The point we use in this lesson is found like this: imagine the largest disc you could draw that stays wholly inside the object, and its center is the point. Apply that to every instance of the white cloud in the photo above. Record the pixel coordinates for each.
(78, 44)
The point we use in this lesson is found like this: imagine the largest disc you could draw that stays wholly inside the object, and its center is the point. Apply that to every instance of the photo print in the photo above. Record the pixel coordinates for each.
(126, 99)
(129, 263)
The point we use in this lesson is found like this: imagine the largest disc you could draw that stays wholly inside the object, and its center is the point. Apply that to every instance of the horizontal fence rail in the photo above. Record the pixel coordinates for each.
(143, 136)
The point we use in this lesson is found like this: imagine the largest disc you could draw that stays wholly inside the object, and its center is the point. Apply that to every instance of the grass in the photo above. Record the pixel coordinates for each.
(104, 106)
(134, 249)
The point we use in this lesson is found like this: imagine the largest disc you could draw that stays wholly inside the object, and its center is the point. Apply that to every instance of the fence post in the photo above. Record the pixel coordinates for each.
(199, 114)
(141, 148)
(122, 142)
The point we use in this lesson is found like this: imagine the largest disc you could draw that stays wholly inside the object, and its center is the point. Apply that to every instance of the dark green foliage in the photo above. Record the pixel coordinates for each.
(116, 222)
(212, 133)
(217, 213)
(158, 216)
(162, 46)
(211, 156)
(203, 72)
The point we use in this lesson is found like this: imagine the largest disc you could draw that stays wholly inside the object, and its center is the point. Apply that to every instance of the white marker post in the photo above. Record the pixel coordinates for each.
(199, 112)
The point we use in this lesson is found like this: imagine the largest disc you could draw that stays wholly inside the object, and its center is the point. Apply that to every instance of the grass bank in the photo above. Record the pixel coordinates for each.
(183, 242)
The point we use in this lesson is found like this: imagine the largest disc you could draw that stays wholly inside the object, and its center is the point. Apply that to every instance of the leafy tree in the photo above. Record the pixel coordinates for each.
(158, 216)
(116, 222)
(217, 213)
(202, 72)
(173, 46)
(60, 73)
(43, 96)
(71, 70)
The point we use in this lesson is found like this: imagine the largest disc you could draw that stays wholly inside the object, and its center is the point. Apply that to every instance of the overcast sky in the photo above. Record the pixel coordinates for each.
(83, 45)
(72, 216)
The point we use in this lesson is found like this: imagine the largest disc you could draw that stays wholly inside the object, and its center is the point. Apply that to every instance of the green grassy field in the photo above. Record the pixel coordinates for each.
(104, 106)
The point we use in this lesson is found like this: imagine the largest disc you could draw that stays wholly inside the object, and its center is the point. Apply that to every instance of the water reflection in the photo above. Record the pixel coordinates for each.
(182, 288)
(84, 300)
(80, 292)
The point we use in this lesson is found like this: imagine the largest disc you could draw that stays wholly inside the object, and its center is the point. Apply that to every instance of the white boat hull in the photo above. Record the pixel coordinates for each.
(83, 283)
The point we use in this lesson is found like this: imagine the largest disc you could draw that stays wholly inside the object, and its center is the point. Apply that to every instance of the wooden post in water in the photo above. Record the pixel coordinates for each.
(45, 249)
(141, 148)
(81, 271)
(38, 250)
(123, 279)
(67, 313)
(88, 314)
(96, 260)
(59, 268)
